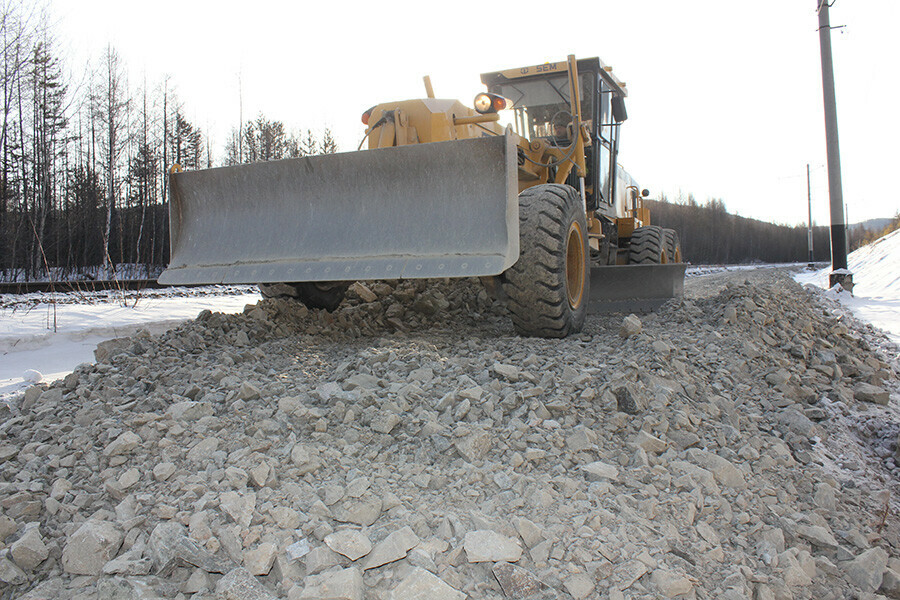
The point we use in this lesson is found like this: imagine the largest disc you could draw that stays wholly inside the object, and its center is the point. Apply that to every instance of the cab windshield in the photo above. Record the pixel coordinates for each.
(542, 108)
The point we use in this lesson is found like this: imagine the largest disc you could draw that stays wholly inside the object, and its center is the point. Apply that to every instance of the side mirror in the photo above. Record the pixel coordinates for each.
(645, 192)
(618, 109)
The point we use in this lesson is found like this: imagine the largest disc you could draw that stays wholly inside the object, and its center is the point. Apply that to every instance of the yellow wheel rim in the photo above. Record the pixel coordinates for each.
(575, 262)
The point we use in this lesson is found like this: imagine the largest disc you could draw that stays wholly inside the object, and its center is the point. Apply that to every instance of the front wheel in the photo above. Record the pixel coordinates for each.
(547, 289)
(648, 246)
(313, 294)
(673, 246)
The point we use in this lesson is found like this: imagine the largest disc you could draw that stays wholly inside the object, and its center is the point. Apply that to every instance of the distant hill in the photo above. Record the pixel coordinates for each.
(872, 225)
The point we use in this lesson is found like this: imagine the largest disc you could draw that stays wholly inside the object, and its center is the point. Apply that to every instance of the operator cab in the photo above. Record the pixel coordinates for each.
(541, 107)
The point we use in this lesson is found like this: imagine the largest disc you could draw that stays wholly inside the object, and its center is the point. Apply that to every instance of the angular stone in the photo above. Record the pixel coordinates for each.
(422, 585)
(631, 325)
(8, 452)
(520, 584)
(867, 392)
(92, 545)
(203, 450)
(239, 584)
(361, 512)
(671, 584)
(286, 518)
(170, 547)
(259, 560)
(627, 401)
(530, 533)
(320, 558)
(649, 443)
(485, 545)
(867, 570)
(580, 585)
(346, 584)
(29, 550)
(190, 411)
(625, 574)
(352, 543)
(239, 506)
(600, 471)
(385, 421)
(474, 446)
(508, 372)
(163, 471)
(580, 439)
(248, 391)
(305, 458)
(393, 547)
(132, 563)
(890, 583)
(473, 394)
(123, 444)
(818, 536)
(7, 527)
(129, 478)
(364, 293)
(722, 469)
(10, 574)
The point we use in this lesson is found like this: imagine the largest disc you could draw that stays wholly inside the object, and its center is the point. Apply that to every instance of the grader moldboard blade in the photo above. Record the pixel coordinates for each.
(445, 209)
(635, 288)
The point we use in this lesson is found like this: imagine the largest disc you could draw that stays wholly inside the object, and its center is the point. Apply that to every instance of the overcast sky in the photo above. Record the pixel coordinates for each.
(725, 98)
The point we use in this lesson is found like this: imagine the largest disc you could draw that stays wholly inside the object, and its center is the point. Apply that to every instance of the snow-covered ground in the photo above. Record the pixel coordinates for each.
(876, 284)
(51, 335)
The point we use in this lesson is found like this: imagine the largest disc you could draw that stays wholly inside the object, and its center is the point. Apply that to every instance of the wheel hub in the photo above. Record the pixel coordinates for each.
(575, 262)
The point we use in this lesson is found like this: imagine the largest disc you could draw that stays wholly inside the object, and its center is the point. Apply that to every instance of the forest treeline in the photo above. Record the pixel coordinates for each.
(84, 156)
(712, 235)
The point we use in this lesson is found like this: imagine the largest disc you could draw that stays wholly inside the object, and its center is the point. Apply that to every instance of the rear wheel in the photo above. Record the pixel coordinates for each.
(648, 246)
(313, 294)
(547, 288)
(673, 246)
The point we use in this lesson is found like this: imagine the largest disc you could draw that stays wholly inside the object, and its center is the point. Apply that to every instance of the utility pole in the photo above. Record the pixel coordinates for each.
(839, 272)
(810, 228)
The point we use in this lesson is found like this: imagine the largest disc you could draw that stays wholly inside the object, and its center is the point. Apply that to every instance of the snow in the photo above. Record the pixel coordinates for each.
(876, 284)
(44, 337)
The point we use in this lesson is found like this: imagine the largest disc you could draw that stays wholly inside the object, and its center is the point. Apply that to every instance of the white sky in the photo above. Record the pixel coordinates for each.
(725, 98)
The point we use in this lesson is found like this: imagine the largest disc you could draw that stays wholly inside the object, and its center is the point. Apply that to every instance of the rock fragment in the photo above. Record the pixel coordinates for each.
(631, 326)
(29, 551)
(394, 547)
(346, 584)
(352, 543)
(867, 570)
(489, 546)
(422, 585)
(90, 547)
(239, 584)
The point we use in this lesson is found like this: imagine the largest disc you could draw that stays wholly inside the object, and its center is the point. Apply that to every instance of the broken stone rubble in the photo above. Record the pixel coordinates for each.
(410, 444)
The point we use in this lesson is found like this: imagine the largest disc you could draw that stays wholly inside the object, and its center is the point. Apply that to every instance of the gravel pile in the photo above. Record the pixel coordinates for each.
(739, 444)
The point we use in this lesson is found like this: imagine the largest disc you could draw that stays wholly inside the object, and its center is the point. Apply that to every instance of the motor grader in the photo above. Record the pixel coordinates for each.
(523, 191)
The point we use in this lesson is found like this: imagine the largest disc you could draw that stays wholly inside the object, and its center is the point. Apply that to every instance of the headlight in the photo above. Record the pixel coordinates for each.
(486, 103)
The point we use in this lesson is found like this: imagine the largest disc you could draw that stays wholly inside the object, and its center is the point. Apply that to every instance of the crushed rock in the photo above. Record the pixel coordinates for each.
(739, 443)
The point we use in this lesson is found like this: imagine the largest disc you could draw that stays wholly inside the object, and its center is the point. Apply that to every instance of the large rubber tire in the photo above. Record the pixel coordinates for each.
(673, 246)
(325, 294)
(648, 246)
(547, 289)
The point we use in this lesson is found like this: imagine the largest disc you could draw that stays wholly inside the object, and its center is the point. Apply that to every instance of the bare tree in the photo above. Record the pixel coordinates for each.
(111, 109)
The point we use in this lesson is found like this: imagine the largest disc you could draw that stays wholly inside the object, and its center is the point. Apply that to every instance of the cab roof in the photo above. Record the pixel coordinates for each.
(584, 65)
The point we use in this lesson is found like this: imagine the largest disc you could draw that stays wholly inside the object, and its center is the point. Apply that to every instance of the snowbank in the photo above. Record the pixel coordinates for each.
(876, 284)
(28, 341)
